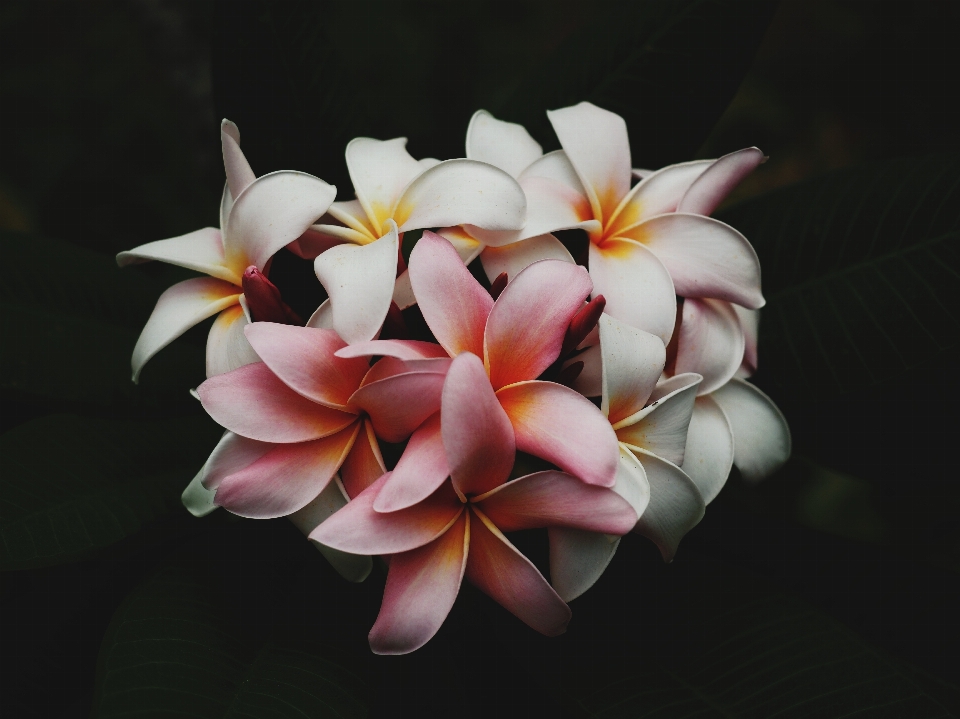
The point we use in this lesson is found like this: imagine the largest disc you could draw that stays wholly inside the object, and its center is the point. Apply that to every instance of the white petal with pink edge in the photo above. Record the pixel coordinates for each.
(724, 174)
(232, 454)
(631, 361)
(675, 504)
(708, 456)
(710, 342)
(659, 192)
(761, 434)
(201, 250)
(506, 145)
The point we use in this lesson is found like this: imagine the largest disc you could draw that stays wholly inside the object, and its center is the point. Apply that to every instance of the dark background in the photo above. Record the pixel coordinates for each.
(109, 139)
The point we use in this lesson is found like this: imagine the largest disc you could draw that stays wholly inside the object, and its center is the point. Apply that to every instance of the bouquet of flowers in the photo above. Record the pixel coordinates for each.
(521, 381)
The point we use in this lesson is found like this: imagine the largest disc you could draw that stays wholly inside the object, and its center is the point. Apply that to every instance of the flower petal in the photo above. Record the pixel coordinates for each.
(200, 250)
(661, 427)
(421, 469)
(254, 403)
(232, 454)
(466, 246)
(178, 309)
(399, 349)
(352, 214)
(710, 342)
(358, 528)
(379, 170)
(597, 144)
(556, 499)
(517, 256)
(453, 303)
(352, 567)
(636, 285)
(506, 145)
(705, 257)
(422, 585)
(460, 192)
(227, 347)
(322, 318)
(359, 281)
(563, 427)
(272, 212)
(527, 324)
(675, 504)
(197, 499)
(364, 463)
(577, 559)
(557, 166)
(761, 434)
(399, 404)
(499, 570)
(589, 382)
(659, 192)
(314, 241)
(239, 174)
(710, 189)
(750, 323)
(303, 358)
(477, 434)
(708, 456)
(632, 362)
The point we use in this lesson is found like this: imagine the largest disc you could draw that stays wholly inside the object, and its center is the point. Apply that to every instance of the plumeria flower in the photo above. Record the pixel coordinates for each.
(650, 421)
(499, 406)
(396, 193)
(258, 216)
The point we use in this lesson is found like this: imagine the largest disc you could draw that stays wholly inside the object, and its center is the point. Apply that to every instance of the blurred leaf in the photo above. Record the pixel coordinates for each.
(76, 484)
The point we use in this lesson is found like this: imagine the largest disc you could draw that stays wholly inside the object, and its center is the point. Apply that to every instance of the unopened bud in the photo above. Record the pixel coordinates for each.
(582, 324)
(264, 301)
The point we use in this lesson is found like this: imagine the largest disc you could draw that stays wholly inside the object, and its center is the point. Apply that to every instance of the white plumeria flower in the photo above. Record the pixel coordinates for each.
(258, 216)
(650, 420)
(396, 193)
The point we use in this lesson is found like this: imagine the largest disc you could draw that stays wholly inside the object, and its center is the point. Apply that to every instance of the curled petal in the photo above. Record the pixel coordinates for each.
(675, 504)
(422, 585)
(391, 367)
(760, 432)
(661, 427)
(636, 285)
(527, 324)
(232, 454)
(659, 192)
(197, 499)
(287, 477)
(322, 318)
(498, 569)
(577, 559)
(399, 349)
(511, 259)
(303, 358)
(227, 347)
(718, 180)
(178, 309)
(453, 303)
(710, 342)
(422, 468)
(477, 434)
(399, 404)
(364, 464)
(506, 145)
(708, 456)
(556, 166)
(254, 403)
(379, 170)
(632, 361)
(200, 250)
(239, 174)
(563, 427)
(556, 499)
(360, 283)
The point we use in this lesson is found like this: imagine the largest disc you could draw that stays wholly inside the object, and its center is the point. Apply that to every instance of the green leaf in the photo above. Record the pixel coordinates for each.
(73, 485)
(858, 269)
(176, 648)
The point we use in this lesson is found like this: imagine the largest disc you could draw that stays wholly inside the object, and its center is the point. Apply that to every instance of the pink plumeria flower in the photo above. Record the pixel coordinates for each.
(396, 193)
(650, 421)
(258, 216)
(495, 405)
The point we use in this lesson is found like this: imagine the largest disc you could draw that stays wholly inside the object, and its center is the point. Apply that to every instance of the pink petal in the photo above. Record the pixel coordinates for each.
(517, 256)
(398, 405)
(239, 174)
(658, 193)
(422, 585)
(760, 431)
(200, 250)
(303, 358)
(710, 342)
(661, 428)
(227, 347)
(596, 142)
(557, 424)
(555, 499)
(179, 308)
(675, 504)
(506, 145)
(364, 463)
(422, 468)
(577, 559)
(232, 454)
(453, 303)
(253, 402)
(477, 435)
(387, 367)
(359, 280)
(528, 321)
(400, 349)
(708, 455)
(636, 285)
(705, 257)
(358, 528)
(710, 189)
(286, 478)
(498, 569)
(380, 170)
(632, 363)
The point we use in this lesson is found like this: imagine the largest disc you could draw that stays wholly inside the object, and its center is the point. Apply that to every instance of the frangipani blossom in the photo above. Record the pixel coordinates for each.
(258, 216)
(396, 193)
(650, 420)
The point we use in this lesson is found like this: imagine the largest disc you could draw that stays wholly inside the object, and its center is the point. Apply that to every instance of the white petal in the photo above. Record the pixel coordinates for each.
(466, 246)
(658, 192)
(632, 363)
(661, 427)
(226, 204)
(750, 324)
(506, 145)
(227, 346)
(760, 431)
(232, 454)
(403, 291)
(322, 318)
(675, 504)
(352, 214)
(710, 342)
(708, 455)
(360, 282)
(380, 169)
(239, 174)
(556, 166)
(577, 559)
(519, 255)
(197, 499)
(632, 483)
(721, 177)
(201, 250)
(589, 382)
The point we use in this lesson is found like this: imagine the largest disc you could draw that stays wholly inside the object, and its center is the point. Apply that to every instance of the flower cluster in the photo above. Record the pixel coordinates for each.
(620, 375)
